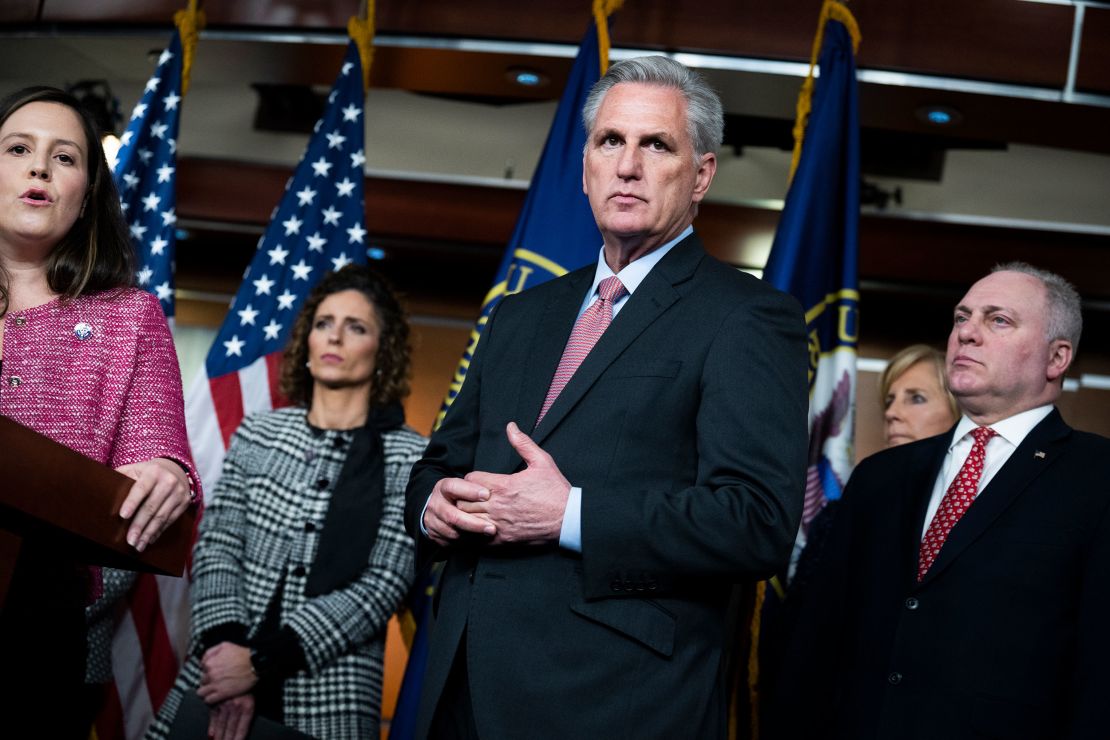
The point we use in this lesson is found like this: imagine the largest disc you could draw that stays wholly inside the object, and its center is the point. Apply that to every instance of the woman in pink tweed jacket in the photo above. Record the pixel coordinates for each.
(86, 360)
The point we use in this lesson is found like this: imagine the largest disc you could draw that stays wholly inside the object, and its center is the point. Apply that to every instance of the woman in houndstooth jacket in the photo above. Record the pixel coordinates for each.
(302, 555)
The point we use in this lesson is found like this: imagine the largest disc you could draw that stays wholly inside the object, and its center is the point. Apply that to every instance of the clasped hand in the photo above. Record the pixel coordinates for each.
(226, 680)
(158, 497)
(523, 508)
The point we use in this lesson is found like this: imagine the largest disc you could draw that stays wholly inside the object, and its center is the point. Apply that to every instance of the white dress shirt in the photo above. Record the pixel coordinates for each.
(1011, 432)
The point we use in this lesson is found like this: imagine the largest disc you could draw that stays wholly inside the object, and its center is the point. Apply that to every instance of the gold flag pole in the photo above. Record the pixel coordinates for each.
(602, 10)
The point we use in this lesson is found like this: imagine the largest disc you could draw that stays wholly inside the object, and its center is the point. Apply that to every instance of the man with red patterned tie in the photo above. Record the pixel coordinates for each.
(964, 592)
(630, 442)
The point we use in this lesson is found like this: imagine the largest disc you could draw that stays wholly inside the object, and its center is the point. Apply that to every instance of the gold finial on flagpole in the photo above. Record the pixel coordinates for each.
(188, 22)
(361, 30)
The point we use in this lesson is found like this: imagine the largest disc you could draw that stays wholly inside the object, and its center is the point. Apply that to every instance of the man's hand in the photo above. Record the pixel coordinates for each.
(445, 519)
(525, 507)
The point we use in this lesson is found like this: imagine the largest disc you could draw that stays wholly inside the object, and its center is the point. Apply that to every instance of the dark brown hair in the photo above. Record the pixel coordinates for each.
(393, 360)
(96, 254)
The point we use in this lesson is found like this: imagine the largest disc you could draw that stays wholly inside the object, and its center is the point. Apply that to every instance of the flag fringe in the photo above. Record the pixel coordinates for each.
(753, 659)
(831, 10)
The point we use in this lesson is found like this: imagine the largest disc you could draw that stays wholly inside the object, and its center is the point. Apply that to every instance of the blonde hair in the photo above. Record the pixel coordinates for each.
(907, 358)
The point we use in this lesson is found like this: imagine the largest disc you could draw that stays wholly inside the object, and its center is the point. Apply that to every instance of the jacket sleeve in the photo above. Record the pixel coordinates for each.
(451, 450)
(153, 421)
(217, 593)
(331, 624)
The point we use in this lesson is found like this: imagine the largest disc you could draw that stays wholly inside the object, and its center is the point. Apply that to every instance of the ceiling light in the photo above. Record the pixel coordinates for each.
(110, 143)
(939, 115)
(526, 77)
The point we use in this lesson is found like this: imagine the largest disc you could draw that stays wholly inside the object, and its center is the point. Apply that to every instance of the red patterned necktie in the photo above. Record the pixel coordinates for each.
(956, 501)
(587, 330)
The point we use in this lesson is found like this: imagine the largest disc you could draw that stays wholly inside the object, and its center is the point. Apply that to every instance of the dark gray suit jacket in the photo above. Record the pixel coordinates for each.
(1005, 637)
(686, 430)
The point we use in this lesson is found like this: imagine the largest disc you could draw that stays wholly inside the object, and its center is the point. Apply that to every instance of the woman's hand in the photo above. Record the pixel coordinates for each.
(230, 720)
(159, 496)
(225, 673)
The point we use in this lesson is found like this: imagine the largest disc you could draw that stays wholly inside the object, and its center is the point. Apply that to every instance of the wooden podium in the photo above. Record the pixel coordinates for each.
(47, 490)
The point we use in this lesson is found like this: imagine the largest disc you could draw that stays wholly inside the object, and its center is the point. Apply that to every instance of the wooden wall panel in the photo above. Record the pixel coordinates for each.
(1093, 74)
(19, 11)
(986, 39)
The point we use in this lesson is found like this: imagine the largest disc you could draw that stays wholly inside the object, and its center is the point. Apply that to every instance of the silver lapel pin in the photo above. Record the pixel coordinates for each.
(82, 331)
(1039, 455)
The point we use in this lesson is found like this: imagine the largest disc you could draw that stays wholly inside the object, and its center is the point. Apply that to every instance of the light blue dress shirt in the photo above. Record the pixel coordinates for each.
(570, 536)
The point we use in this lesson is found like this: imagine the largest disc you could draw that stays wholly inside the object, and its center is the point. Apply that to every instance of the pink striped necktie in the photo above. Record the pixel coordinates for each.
(587, 330)
(956, 501)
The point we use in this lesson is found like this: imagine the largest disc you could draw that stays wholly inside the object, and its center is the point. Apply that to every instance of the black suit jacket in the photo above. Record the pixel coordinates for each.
(1005, 637)
(685, 427)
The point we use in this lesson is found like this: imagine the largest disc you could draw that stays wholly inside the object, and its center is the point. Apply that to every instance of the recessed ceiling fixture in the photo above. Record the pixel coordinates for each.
(526, 77)
(939, 115)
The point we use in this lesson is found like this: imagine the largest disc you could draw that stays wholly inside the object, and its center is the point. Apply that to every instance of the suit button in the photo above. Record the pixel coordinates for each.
(14, 381)
(299, 571)
(616, 586)
(309, 527)
(322, 484)
(20, 321)
(894, 678)
(912, 603)
(651, 586)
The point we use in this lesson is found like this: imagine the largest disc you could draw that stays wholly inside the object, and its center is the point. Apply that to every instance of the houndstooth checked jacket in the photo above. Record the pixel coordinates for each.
(263, 525)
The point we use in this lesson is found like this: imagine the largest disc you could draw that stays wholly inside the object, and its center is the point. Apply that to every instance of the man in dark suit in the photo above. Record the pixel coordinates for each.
(965, 588)
(595, 518)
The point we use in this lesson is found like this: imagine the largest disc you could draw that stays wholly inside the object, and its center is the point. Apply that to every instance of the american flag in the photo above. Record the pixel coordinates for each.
(151, 637)
(144, 175)
(319, 225)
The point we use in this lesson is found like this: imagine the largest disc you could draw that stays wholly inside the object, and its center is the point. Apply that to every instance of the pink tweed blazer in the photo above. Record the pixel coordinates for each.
(98, 374)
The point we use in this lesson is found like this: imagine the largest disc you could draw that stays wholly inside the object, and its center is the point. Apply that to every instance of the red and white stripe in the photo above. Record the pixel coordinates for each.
(150, 642)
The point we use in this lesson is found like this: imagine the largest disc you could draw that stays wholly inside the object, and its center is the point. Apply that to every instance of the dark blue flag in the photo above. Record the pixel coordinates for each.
(814, 258)
(555, 232)
(144, 175)
(416, 621)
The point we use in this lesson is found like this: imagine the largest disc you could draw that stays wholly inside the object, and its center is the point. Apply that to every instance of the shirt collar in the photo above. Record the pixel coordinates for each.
(1014, 429)
(635, 271)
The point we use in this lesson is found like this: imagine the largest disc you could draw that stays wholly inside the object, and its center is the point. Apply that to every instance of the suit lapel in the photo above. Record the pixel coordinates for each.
(654, 296)
(922, 477)
(1040, 449)
(552, 332)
